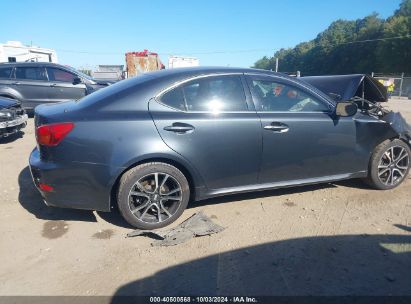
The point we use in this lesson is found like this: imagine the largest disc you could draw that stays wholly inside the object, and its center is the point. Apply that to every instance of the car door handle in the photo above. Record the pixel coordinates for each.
(53, 84)
(16, 83)
(277, 127)
(179, 128)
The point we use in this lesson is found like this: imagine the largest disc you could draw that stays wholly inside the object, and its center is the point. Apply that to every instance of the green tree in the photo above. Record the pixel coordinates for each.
(356, 46)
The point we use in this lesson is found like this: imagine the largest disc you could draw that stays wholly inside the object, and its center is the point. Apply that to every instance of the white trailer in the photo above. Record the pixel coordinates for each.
(15, 51)
(181, 62)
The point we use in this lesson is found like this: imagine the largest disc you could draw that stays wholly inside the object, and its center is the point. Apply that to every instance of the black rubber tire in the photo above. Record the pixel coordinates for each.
(130, 177)
(372, 178)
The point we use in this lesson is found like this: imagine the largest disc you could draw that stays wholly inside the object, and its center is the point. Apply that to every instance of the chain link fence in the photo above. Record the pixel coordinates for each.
(402, 84)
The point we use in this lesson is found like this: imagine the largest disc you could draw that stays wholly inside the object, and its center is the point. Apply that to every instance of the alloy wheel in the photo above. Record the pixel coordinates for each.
(393, 165)
(155, 197)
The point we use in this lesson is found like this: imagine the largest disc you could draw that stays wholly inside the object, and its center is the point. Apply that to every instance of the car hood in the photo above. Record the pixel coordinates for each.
(346, 87)
(7, 102)
(102, 82)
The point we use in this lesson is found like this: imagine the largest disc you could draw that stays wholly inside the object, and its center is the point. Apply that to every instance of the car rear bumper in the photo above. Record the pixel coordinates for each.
(9, 127)
(75, 185)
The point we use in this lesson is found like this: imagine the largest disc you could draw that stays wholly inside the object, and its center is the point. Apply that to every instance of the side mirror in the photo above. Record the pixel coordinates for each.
(77, 80)
(346, 109)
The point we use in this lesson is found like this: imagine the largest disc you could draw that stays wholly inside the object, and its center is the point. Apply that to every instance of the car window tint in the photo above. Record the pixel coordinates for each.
(174, 98)
(5, 72)
(32, 73)
(273, 96)
(215, 94)
(60, 75)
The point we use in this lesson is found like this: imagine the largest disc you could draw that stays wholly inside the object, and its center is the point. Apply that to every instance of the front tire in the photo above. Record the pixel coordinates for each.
(389, 165)
(152, 195)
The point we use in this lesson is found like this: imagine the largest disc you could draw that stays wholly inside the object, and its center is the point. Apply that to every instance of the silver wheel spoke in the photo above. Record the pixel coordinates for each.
(163, 183)
(144, 212)
(387, 180)
(400, 159)
(402, 167)
(400, 156)
(156, 181)
(164, 209)
(138, 208)
(136, 193)
(158, 213)
(383, 166)
(399, 171)
(167, 198)
(172, 192)
(383, 171)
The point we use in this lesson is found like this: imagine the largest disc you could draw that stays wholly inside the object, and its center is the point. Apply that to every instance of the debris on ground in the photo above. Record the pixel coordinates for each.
(198, 224)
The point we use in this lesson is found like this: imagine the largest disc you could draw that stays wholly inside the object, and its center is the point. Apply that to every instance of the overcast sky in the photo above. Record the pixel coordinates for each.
(235, 33)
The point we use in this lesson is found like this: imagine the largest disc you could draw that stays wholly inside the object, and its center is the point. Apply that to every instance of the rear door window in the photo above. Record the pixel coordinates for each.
(31, 73)
(60, 75)
(5, 72)
(208, 94)
(215, 94)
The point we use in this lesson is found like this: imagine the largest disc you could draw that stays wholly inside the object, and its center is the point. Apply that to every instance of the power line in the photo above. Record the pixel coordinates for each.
(378, 39)
(187, 53)
(225, 51)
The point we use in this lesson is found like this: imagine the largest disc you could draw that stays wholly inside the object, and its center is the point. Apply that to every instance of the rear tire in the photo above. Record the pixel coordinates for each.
(152, 195)
(389, 164)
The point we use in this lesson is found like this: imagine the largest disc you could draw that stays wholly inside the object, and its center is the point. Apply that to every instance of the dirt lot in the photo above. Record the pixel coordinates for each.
(329, 239)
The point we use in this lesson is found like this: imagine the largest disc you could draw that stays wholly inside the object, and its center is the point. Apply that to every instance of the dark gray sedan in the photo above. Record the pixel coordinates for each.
(153, 143)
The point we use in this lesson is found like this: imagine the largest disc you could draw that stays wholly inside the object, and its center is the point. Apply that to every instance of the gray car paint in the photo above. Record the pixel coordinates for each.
(123, 125)
(32, 93)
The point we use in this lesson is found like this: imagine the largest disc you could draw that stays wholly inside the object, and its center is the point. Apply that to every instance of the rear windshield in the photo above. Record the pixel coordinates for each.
(114, 89)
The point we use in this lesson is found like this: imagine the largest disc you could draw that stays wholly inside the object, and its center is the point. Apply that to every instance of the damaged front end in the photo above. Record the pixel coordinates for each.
(365, 91)
(12, 117)
(399, 125)
(368, 94)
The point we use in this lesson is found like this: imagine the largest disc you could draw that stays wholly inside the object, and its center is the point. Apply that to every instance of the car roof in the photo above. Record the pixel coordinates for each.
(207, 70)
(23, 64)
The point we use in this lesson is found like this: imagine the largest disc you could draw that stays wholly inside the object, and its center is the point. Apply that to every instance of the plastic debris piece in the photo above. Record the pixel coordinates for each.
(198, 224)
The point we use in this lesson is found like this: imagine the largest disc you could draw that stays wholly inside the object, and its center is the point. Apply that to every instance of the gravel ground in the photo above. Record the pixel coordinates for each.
(329, 239)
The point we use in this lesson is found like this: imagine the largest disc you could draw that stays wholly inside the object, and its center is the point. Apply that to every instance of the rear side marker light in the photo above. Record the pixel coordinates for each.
(53, 134)
(45, 187)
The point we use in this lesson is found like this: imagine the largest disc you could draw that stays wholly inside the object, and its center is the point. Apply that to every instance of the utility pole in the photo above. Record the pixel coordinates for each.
(402, 79)
(276, 64)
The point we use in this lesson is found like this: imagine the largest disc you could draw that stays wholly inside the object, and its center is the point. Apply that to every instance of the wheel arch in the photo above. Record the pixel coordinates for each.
(192, 178)
(8, 96)
(405, 139)
(10, 93)
(382, 140)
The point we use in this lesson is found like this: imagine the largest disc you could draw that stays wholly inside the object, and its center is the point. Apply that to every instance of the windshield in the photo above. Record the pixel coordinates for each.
(81, 74)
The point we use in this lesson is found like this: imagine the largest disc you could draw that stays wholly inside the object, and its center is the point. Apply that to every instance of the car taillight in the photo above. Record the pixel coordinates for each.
(53, 134)
(45, 187)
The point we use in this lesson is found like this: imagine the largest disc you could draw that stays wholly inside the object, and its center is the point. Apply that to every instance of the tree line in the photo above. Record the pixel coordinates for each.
(366, 45)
